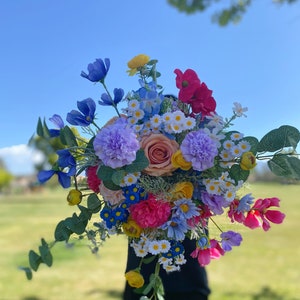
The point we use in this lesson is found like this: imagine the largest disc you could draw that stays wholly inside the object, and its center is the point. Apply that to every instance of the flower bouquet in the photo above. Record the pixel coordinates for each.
(159, 171)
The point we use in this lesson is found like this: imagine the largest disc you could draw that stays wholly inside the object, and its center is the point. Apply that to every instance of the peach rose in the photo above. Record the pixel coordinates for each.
(159, 150)
(110, 196)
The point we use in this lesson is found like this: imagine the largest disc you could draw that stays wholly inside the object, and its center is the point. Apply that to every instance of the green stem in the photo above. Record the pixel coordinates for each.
(112, 102)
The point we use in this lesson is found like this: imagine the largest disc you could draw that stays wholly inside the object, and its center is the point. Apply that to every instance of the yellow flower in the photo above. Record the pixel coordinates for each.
(134, 279)
(181, 190)
(178, 161)
(132, 229)
(74, 197)
(137, 62)
(248, 161)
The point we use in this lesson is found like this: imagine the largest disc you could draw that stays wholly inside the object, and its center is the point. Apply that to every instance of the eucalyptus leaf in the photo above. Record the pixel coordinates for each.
(76, 224)
(111, 185)
(277, 139)
(285, 166)
(34, 260)
(253, 141)
(237, 173)
(62, 232)
(93, 203)
(118, 176)
(139, 164)
(46, 254)
(27, 271)
(105, 173)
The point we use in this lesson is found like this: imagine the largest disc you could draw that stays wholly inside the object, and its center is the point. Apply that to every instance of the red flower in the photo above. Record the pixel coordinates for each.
(202, 101)
(187, 83)
(260, 215)
(234, 214)
(92, 179)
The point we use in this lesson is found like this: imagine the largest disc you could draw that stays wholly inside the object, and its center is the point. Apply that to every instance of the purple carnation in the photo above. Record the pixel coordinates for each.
(116, 145)
(229, 239)
(199, 149)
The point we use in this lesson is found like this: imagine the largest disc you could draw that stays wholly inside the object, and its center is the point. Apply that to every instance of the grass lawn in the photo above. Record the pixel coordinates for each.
(265, 267)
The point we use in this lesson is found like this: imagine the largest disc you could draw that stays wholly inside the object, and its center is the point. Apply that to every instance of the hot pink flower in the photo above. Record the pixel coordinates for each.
(234, 214)
(93, 180)
(260, 215)
(204, 256)
(150, 213)
(187, 83)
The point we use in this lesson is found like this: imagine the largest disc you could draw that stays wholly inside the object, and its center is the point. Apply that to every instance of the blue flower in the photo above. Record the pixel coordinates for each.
(185, 208)
(108, 101)
(245, 203)
(87, 108)
(97, 70)
(65, 160)
(58, 121)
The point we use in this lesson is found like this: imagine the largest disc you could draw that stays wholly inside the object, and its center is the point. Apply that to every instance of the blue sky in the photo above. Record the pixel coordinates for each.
(46, 44)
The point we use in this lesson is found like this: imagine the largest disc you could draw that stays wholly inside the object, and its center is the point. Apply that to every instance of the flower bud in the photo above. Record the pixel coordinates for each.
(74, 197)
(134, 279)
(248, 161)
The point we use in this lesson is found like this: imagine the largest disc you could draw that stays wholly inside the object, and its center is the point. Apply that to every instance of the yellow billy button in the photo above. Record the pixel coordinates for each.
(248, 161)
(134, 279)
(74, 197)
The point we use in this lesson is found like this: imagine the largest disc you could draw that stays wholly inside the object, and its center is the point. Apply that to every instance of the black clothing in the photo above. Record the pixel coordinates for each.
(190, 283)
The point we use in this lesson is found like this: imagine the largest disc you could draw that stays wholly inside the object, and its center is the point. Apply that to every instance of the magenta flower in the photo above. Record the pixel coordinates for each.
(116, 145)
(150, 213)
(260, 215)
(199, 149)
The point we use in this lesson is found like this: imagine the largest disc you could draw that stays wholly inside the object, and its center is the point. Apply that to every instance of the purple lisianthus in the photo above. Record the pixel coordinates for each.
(86, 115)
(97, 70)
(230, 239)
(214, 202)
(199, 149)
(116, 145)
(107, 100)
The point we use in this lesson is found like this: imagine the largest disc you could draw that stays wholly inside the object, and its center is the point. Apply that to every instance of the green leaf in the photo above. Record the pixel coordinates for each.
(46, 254)
(76, 224)
(27, 271)
(277, 139)
(110, 185)
(253, 141)
(149, 259)
(105, 173)
(286, 166)
(62, 232)
(34, 260)
(118, 176)
(237, 173)
(139, 164)
(40, 128)
(93, 203)
(67, 137)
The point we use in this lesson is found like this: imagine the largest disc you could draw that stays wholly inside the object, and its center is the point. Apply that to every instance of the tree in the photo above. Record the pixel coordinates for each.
(5, 176)
(232, 13)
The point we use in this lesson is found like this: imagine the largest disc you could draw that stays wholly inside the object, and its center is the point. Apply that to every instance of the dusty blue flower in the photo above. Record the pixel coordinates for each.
(176, 228)
(185, 208)
(97, 70)
(199, 149)
(116, 145)
(214, 202)
(86, 115)
(230, 239)
(58, 121)
(245, 203)
(108, 101)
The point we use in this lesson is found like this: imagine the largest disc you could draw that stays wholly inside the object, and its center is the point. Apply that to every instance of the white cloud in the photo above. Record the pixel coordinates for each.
(20, 159)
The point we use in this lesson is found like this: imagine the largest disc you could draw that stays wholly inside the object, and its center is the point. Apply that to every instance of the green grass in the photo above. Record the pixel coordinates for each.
(266, 266)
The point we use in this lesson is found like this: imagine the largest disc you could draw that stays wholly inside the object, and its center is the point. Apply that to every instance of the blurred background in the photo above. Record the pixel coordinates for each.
(245, 51)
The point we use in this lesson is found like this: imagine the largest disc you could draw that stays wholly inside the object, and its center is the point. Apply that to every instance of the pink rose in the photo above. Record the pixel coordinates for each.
(110, 196)
(159, 150)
